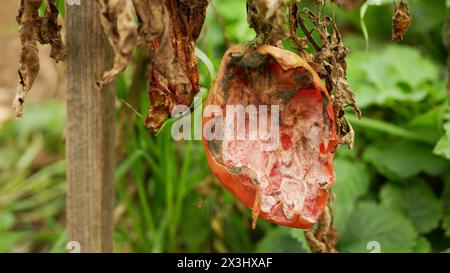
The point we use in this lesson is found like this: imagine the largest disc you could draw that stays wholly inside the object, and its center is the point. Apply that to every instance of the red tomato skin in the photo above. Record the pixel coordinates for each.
(240, 185)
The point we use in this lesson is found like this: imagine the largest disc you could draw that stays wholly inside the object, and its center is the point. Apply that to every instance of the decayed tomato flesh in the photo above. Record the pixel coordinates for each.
(288, 184)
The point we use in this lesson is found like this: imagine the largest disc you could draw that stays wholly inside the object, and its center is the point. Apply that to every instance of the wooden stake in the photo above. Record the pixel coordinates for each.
(90, 131)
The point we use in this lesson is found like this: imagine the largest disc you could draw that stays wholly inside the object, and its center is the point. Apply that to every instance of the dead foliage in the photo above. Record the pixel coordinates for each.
(324, 238)
(173, 75)
(401, 21)
(169, 29)
(119, 22)
(51, 32)
(35, 29)
(267, 18)
(328, 60)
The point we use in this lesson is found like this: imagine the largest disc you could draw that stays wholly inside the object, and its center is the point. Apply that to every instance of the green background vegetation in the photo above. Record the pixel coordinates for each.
(393, 187)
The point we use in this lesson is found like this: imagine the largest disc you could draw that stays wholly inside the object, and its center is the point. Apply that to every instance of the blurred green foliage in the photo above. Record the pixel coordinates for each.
(392, 188)
(32, 180)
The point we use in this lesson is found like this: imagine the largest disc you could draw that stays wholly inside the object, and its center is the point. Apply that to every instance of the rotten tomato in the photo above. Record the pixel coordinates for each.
(287, 183)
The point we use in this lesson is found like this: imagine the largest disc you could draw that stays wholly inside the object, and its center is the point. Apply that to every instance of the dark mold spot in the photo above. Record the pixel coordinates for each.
(215, 148)
(287, 94)
(304, 79)
(250, 60)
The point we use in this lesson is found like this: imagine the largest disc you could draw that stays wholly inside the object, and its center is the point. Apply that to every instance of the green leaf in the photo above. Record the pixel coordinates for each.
(422, 245)
(442, 148)
(279, 240)
(446, 201)
(299, 235)
(370, 222)
(234, 16)
(431, 14)
(388, 128)
(430, 123)
(8, 240)
(446, 224)
(61, 7)
(208, 64)
(385, 77)
(7, 220)
(401, 58)
(416, 201)
(362, 14)
(379, 2)
(404, 159)
(352, 182)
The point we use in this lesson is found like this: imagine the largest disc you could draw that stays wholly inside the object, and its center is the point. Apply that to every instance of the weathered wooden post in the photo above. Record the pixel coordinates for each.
(90, 130)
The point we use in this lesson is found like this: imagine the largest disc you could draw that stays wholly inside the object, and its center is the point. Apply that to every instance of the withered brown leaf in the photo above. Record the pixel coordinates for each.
(328, 62)
(30, 24)
(342, 95)
(267, 18)
(401, 21)
(51, 32)
(34, 29)
(118, 18)
(146, 10)
(173, 72)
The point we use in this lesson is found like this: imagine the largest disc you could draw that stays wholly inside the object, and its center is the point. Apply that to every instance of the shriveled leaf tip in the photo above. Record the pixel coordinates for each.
(401, 21)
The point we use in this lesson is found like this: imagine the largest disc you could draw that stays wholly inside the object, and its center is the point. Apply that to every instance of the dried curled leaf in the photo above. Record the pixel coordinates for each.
(328, 62)
(118, 20)
(401, 21)
(169, 28)
(34, 29)
(173, 76)
(51, 32)
(343, 95)
(146, 10)
(266, 17)
(324, 239)
(30, 24)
